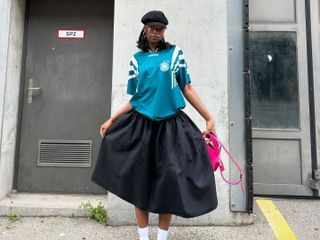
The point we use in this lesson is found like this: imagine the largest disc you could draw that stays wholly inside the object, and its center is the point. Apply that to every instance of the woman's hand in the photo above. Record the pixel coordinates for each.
(210, 126)
(105, 126)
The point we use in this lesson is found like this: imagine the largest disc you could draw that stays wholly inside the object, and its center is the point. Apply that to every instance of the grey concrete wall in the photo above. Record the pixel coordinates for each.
(200, 29)
(11, 40)
(5, 6)
(4, 42)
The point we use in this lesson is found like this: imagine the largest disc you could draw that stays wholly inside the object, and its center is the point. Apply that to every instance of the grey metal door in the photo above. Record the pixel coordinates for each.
(315, 34)
(66, 94)
(280, 100)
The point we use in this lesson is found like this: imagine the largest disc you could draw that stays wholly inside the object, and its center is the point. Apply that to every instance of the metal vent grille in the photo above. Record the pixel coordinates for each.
(64, 153)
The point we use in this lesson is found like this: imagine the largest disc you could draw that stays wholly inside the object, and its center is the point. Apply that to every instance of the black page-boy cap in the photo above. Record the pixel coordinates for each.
(155, 18)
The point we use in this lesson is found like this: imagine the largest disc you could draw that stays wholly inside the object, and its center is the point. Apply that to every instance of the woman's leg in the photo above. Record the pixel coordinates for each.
(142, 217)
(164, 220)
(163, 225)
(142, 222)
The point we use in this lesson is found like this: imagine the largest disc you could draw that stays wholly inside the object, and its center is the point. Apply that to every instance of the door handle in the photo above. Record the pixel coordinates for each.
(31, 89)
(34, 88)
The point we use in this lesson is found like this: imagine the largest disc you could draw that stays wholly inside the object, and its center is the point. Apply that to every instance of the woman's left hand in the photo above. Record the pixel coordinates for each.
(210, 126)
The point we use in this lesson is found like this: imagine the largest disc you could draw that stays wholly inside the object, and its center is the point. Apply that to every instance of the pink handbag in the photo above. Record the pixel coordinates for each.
(214, 146)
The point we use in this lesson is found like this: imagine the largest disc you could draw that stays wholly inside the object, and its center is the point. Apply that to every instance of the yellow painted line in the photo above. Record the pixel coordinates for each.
(278, 223)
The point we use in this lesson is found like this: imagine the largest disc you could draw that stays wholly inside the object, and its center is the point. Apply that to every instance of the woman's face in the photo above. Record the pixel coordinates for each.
(154, 33)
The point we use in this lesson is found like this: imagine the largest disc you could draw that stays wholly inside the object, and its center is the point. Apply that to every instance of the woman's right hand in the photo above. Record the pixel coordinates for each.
(105, 126)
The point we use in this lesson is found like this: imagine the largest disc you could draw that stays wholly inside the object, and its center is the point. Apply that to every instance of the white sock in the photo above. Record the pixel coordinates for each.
(143, 233)
(162, 234)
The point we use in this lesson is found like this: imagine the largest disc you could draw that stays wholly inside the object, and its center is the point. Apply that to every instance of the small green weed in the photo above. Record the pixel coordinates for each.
(73, 216)
(96, 213)
(12, 217)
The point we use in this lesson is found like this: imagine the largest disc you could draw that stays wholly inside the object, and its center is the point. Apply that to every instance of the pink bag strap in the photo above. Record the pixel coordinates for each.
(213, 137)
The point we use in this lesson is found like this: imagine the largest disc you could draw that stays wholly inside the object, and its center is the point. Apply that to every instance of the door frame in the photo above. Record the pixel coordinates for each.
(21, 95)
(313, 41)
(260, 133)
(22, 90)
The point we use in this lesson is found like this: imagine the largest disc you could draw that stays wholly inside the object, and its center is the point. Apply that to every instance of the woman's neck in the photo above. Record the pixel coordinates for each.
(153, 50)
(153, 47)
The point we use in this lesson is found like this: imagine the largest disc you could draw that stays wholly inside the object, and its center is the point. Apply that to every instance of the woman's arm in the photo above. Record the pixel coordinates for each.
(105, 126)
(126, 108)
(191, 95)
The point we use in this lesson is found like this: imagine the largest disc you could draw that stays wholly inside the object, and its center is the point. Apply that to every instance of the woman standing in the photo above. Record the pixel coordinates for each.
(152, 154)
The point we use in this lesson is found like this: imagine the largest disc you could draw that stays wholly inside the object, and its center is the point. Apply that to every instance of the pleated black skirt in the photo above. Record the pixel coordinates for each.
(158, 166)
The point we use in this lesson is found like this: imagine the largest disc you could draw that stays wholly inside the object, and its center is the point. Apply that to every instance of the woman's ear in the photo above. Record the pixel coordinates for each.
(145, 28)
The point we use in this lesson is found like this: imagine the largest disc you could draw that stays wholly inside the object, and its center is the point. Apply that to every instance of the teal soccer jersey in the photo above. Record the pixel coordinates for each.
(156, 81)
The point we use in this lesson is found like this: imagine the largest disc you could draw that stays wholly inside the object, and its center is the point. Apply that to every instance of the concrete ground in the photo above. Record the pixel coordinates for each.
(303, 216)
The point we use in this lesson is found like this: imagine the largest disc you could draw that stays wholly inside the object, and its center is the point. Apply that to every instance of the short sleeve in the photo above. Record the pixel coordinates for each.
(132, 76)
(181, 69)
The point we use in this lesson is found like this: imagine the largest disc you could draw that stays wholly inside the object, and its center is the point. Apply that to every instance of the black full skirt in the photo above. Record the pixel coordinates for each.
(158, 166)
